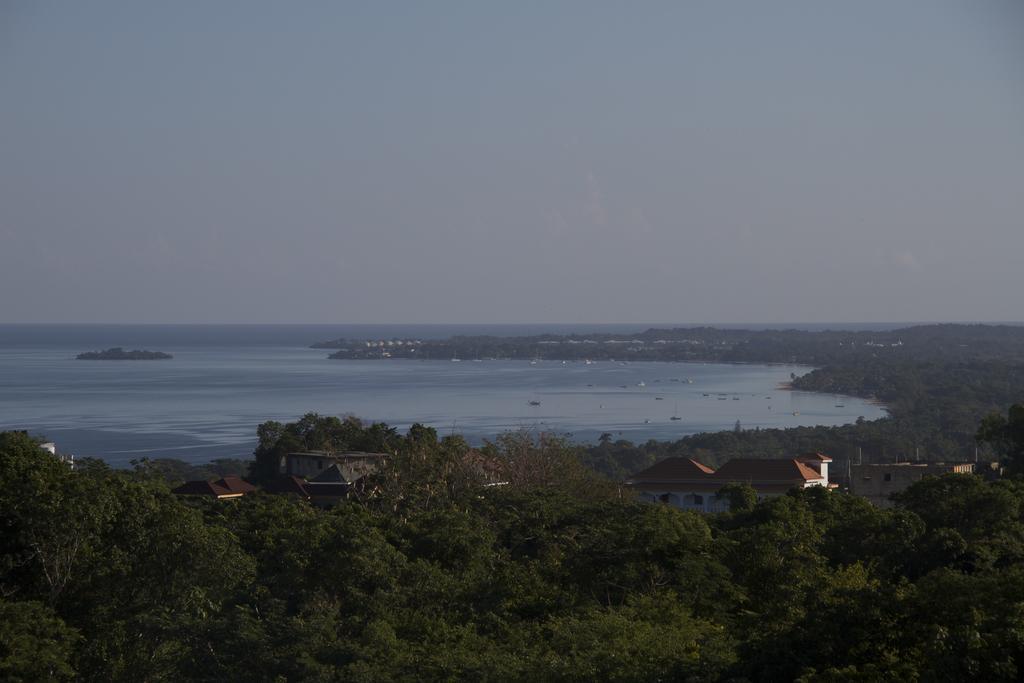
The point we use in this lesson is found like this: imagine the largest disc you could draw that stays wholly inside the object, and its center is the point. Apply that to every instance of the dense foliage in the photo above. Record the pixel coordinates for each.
(556, 575)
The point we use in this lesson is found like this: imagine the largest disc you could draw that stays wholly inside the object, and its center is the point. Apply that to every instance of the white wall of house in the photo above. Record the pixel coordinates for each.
(695, 501)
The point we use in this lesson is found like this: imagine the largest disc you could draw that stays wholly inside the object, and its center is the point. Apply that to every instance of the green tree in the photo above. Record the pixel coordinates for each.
(35, 644)
(1006, 436)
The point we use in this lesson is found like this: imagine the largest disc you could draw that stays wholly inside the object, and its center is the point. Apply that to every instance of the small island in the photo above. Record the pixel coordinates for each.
(117, 353)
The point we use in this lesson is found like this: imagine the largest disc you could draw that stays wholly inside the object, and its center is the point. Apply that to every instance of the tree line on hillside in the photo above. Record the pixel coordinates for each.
(104, 575)
(937, 343)
(937, 382)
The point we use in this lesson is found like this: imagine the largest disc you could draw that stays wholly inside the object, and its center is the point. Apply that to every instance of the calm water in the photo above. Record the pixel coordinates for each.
(224, 380)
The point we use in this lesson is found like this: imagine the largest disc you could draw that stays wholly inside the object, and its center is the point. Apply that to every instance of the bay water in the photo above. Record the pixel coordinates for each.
(224, 380)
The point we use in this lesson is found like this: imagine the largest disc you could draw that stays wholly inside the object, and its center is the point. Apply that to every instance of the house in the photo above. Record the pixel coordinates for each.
(225, 487)
(309, 464)
(690, 485)
(325, 490)
(878, 481)
(51, 448)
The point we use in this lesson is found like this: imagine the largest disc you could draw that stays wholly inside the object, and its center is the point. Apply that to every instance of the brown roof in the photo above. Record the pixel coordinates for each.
(745, 469)
(225, 486)
(201, 488)
(235, 484)
(287, 483)
(674, 469)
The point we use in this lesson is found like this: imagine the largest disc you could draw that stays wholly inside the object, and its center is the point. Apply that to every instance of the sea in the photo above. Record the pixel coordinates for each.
(224, 380)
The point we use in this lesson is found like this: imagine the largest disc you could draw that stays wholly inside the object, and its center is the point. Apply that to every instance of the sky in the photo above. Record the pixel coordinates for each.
(485, 162)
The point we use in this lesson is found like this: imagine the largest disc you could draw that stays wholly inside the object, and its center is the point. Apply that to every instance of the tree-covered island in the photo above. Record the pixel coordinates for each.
(118, 353)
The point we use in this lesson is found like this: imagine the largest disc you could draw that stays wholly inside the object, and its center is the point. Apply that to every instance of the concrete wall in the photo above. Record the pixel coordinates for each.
(877, 482)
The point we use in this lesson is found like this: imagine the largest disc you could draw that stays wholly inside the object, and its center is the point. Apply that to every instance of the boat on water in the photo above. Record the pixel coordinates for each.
(456, 360)
(534, 403)
(675, 413)
(658, 398)
(641, 384)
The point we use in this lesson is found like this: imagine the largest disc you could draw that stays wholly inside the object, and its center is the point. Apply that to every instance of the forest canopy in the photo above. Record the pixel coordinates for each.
(104, 575)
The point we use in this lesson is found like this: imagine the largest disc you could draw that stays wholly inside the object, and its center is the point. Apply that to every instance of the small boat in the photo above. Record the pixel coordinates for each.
(675, 417)
(796, 412)
(647, 422)
(658, 398)
(641, 384)
(735, 398)
(534, 403)
(689, 381)
(456, 360)
(675, 414)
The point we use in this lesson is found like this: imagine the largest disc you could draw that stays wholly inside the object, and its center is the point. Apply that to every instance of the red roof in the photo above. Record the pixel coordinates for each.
(674, 469)
(768, 471)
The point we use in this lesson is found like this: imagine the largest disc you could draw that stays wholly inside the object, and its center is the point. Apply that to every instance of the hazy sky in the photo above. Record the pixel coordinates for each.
(511, 162)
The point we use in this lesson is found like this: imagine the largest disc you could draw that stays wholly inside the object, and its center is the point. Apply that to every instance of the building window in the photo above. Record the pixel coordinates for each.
(319, 464)
(888, 476)
(698, 500)
(665, 497)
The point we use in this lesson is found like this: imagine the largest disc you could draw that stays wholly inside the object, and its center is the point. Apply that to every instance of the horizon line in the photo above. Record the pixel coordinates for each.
(484, 324)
